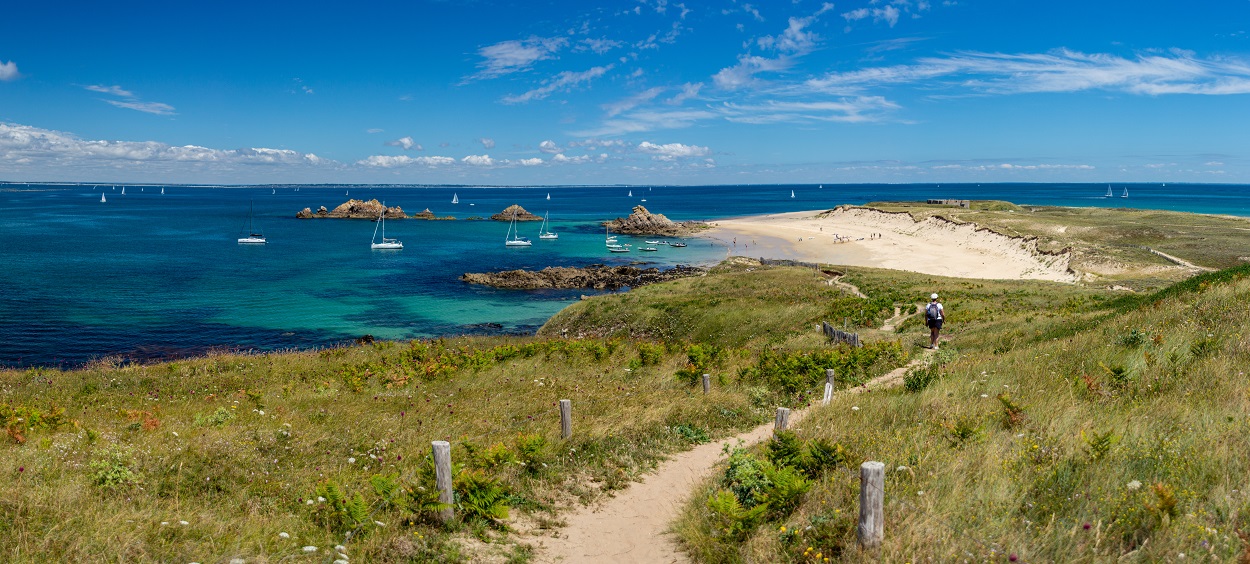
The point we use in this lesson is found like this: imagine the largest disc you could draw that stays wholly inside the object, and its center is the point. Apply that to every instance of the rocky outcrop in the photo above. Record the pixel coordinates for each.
(595, 276)
(355, 209)
(521, 214)
(643, 222)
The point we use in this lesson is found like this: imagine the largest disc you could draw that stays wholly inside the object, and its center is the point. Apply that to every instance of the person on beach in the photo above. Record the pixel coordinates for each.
(934, 315)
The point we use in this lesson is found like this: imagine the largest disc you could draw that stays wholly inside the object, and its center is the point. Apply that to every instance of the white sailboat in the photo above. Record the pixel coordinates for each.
(386, 243)
(544, 232)
(1109, 194)
(548, 195)
(822, 186)
(252, 237)
(631, 193)
(1125, 194)
(162, 190)
(455, 198)
(514, 238)
(102, 200)
(275, 190)
(792, 193)
(123, 190)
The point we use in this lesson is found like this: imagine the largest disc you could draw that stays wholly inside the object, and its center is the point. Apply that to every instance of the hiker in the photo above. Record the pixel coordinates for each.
(934, 315)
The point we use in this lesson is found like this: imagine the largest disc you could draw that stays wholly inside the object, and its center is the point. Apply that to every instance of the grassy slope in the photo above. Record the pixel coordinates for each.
(1132, 439)
(236, 444)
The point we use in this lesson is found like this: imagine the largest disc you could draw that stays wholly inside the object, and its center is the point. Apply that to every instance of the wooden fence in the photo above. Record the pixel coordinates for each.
(839, 336)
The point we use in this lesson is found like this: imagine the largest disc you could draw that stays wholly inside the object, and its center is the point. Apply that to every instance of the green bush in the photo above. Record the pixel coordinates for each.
(481, 499)
(112, 469)
(920, 377)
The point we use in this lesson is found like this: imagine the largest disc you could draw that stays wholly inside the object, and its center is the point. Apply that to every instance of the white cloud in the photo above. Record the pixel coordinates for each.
(688, 91)
(672, 151)
(146, 107)
(562, 81)
(619, 106)
(65, 150)
(8, 71)
(388, 161)
(743, 73)
(405, 143)
(549, 147)
(374, 130)
(530, 162)
(487, 142)
(598, 46)
(478, 160)
(1057, 71)
(888, 13)
(649, 120)
(114, 90)
(562, 159)
(516, 55)
(1213, 163)
(847, 110)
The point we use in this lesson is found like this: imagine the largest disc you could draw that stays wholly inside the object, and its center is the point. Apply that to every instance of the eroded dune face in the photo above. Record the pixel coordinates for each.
(866, 237)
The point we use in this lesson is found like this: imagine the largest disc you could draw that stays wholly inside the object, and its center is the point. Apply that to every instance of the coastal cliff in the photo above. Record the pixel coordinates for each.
(595, 276)
(515, 210)
(643, 222)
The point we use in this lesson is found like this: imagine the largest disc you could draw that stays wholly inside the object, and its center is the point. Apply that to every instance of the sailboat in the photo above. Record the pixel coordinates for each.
(548, 195)
(162, 190)
(386, 243)
(631, 193)
(252, 237)
(1125, 194)
(544, 232)
(123, 190)
(275, 190)
(1109, 194)
(514, 238)
(610, 241)
(822, 186)
(792, 193)
(102, 200)
(455, 198)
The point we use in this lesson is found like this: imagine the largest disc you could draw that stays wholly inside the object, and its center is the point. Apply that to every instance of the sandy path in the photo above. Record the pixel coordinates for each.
(632, 527)
(866, 237)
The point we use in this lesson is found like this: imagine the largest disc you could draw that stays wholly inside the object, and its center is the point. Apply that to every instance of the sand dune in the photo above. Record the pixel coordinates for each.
(845, 236)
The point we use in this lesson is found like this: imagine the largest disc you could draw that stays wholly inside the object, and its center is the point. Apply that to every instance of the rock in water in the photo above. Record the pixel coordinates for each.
(521, 214)
(643, 222)
(596, 276)
(355, 209)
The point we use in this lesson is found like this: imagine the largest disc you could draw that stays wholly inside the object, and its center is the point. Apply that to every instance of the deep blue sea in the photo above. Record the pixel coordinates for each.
(151, 276)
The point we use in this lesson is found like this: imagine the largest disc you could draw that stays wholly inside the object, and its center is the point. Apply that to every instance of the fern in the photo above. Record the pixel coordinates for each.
(481, 498)
(340, 513)
(785, 449)
(822, 456)
(731, 520)
(387, 487)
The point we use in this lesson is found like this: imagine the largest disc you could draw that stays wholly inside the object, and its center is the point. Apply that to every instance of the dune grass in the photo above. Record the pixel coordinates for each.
(1124, 436)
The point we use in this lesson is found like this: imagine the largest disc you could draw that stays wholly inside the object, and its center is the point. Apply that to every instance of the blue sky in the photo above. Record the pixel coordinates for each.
(628, 92)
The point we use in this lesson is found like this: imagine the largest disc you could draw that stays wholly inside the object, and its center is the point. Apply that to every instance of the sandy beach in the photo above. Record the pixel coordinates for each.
(864, 237)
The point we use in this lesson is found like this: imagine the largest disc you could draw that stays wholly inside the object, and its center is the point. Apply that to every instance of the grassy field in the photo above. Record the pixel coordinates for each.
(1122, 435)
(259, 456)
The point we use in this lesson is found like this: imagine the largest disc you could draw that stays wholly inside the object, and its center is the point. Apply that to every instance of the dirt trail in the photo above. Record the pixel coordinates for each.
(632, 527)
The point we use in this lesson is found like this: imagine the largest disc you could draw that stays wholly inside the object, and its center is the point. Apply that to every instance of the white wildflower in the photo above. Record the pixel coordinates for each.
(175, 433)
(163, 523)
(310, 549)
(855, 408)
(340, 548)
(351, 460)
(379, 523)
(920, 492)
(309, 502)
(985, 395)
(183, 523)
(284, 536)
(1134, 485)
(321, 499)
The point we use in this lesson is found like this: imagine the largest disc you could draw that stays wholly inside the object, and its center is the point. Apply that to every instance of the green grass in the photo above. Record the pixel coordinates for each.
(1123, 435)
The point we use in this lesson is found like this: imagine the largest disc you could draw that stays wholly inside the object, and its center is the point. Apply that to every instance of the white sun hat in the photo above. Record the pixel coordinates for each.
(934, 296)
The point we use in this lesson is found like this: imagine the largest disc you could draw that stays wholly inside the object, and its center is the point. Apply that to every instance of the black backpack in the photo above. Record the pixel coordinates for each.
(932, 313)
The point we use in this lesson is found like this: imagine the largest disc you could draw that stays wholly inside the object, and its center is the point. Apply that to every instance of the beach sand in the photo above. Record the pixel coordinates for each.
(845, 236)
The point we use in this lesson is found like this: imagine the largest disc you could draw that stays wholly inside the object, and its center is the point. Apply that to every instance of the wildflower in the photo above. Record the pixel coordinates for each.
(21, 469)
(163, 523)
(1013, 557)
(340, 548)
(351, 460)
(284, 535)
(379, 523)
(783, 528)
(262, 412)
(175, 433)
(855, 408)
(921, 492)
(1134, 485)
(310, 549)
(1085, 526)
(183, 523)
(985, 395)
(309, 502)
(321, 499)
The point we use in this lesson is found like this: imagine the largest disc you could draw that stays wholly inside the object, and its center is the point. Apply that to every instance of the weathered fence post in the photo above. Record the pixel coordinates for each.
(783, 419)
(871, 503)
(442, 479)
(828, 387)
(707, 383)
(828, 375)
(566, 418)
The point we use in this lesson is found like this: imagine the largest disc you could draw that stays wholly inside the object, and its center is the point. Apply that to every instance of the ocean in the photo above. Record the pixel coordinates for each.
(151, 276)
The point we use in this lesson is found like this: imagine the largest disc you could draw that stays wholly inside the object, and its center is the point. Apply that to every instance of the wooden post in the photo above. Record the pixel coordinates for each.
(828, 375)
(828, 393)
(707, 383)
(442, 478)
(871, 504)
(783, 419)
(566, 418)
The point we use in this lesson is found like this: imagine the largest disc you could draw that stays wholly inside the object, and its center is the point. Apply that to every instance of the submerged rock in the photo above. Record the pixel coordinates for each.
(521, 214)
(643, 222)
(595, 276)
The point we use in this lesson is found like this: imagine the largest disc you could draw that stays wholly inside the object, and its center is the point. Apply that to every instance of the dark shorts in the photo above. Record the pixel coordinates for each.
(935, 323)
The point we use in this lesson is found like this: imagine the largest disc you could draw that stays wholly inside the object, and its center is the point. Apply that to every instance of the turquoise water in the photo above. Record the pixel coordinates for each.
(150, 276)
